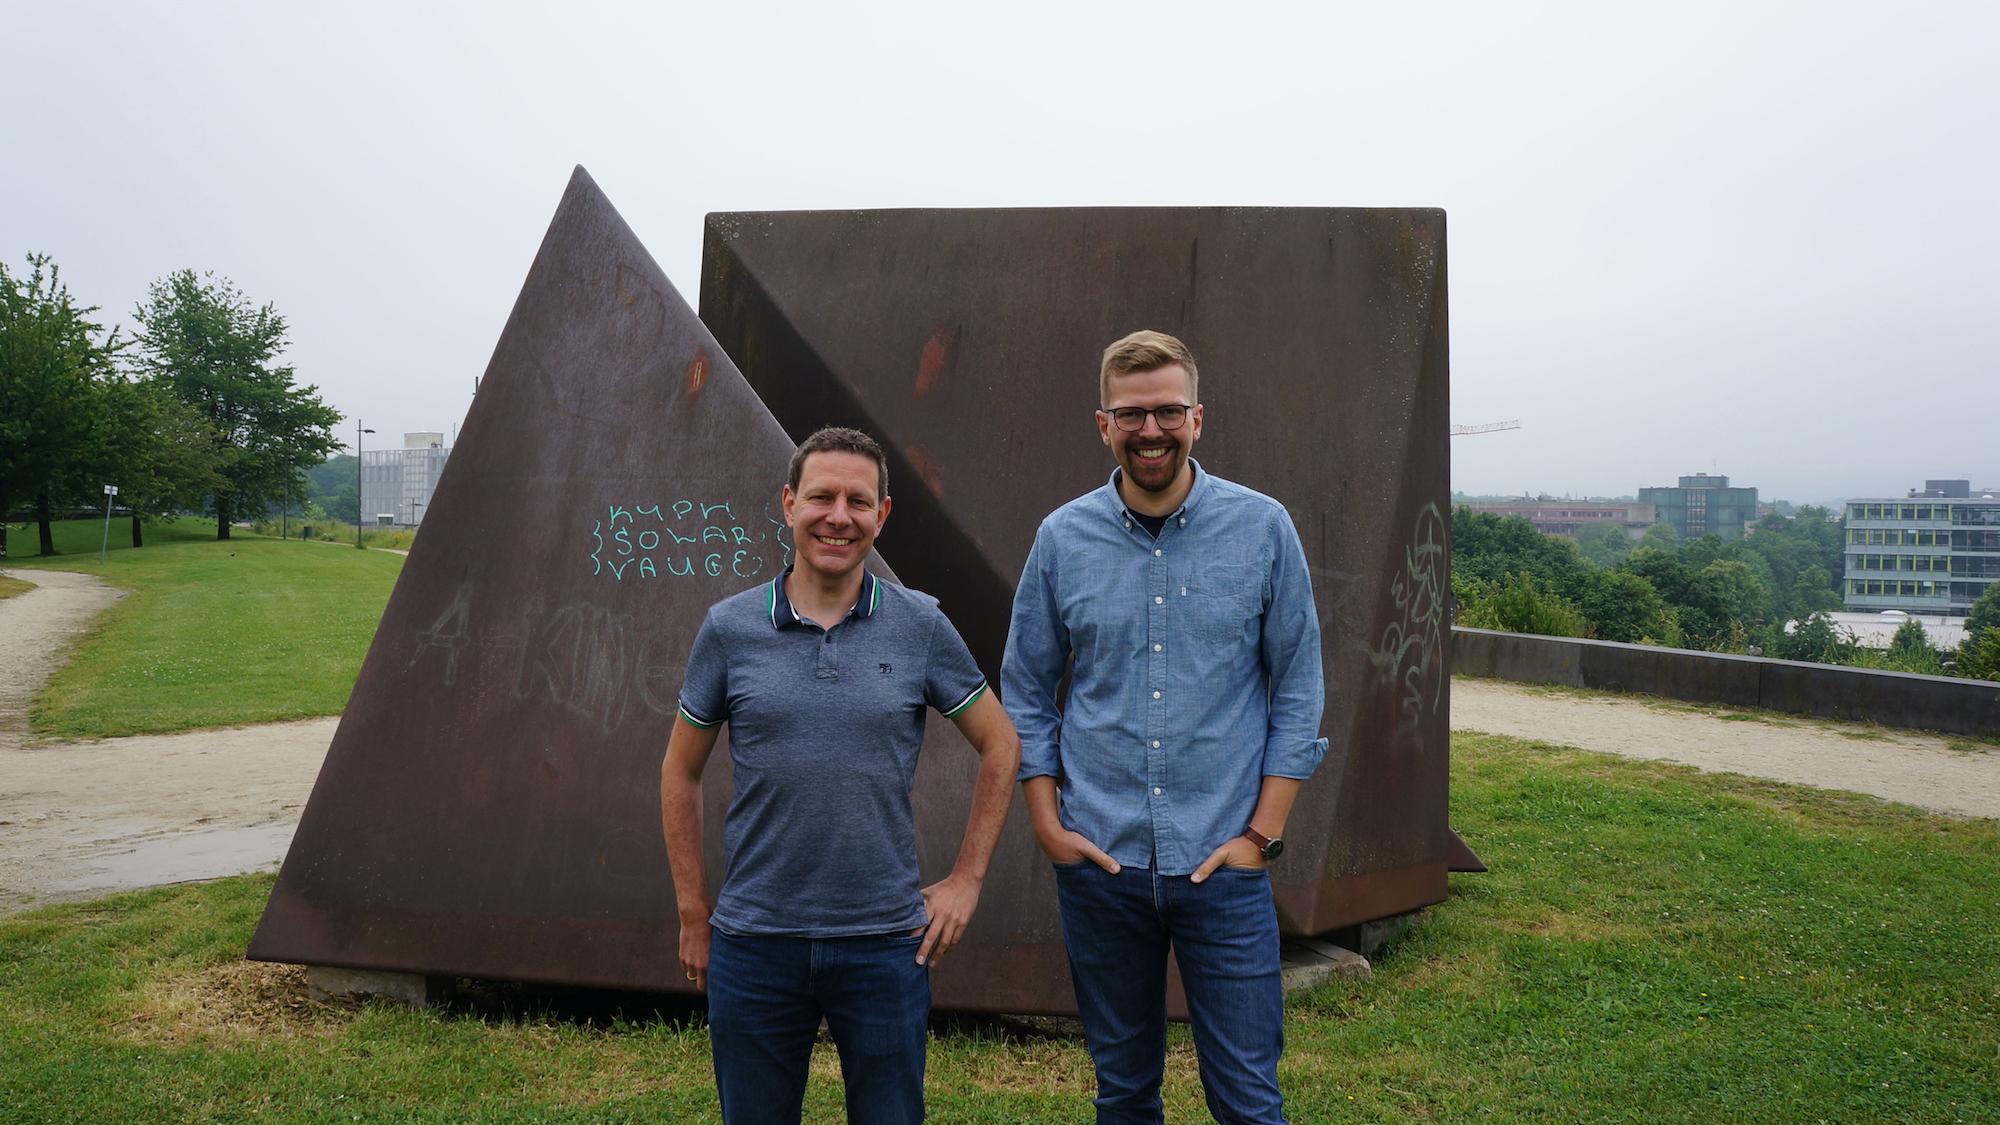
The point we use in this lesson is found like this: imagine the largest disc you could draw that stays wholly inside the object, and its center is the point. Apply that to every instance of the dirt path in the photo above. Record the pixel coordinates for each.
(81, 819)
(1897, 765)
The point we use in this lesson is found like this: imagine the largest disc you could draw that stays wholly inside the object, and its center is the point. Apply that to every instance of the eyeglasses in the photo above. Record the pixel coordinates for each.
(1170, 417)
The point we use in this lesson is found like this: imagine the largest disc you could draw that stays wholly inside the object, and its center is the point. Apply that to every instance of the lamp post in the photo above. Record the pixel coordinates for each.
(358, 431)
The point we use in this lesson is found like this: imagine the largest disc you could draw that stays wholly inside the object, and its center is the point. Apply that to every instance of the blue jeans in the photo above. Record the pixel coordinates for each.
(1224, 935)
(766, 995)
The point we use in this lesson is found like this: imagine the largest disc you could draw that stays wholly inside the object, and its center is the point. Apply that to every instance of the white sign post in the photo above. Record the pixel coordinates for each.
(110, 490)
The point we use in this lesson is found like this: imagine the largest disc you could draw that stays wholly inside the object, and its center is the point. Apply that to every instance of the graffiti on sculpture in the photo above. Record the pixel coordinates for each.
(1411, 652)
(680, 539)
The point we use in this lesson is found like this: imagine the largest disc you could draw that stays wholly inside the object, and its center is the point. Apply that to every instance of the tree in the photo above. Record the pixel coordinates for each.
(1662, 536)
(1979, 656)
(1518, 605)
(1985, 614)
(1814, 638)
(1622, 606)
(51, 364)
(1604, 544)
(203, 339)
(158, 450)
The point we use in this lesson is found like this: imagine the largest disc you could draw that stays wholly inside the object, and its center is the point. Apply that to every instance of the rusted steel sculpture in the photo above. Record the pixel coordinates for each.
(968, 340)
(489, 806)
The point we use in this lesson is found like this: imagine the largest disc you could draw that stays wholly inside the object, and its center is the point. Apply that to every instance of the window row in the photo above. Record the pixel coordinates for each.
(1901, 562)
(1899, 536)
(1891, 588)
(1962, 514)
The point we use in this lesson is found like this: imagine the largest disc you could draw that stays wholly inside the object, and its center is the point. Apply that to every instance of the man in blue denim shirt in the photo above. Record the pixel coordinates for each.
(1160, 790)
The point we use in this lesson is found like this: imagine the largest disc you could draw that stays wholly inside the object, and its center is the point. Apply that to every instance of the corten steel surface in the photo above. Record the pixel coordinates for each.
(969, 342)
(490, 803)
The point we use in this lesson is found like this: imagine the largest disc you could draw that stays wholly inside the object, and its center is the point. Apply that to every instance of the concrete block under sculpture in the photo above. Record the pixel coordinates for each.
(968, 340)
(489, 806)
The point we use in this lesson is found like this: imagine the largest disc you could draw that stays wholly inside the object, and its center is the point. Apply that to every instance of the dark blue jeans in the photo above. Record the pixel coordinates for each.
(1224, 936)
(765, 999)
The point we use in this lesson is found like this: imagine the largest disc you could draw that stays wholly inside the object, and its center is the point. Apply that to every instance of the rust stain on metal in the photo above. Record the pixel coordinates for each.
(927, 470)
(697, 371)
(930, 364)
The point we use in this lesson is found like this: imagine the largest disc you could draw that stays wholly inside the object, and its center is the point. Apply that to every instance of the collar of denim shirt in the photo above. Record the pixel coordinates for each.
(1113, 505)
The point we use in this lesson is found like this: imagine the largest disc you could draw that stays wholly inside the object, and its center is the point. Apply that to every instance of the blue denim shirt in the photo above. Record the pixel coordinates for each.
(1196, 673)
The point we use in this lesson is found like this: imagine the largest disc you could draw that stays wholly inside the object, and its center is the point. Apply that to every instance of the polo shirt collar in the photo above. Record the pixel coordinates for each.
(782, 613)
(1114, 504)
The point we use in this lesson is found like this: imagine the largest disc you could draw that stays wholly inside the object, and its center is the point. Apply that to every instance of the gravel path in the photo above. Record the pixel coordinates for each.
(80, 819)
(1897, 765)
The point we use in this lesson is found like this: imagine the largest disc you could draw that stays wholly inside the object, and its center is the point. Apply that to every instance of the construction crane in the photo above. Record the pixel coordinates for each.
(1485, 428)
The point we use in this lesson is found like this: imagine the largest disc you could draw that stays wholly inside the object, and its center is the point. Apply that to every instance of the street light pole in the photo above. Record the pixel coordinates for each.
(358, 431)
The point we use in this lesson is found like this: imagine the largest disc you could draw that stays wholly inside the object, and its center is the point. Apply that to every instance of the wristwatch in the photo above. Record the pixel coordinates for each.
(1271, 848)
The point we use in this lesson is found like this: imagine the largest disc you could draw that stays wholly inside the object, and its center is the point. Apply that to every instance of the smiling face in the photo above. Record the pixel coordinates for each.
(1154, 460)
(835, 513)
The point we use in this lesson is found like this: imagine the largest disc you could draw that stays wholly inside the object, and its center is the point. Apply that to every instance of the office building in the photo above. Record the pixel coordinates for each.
(1704, 505)
(396, 484)
(1567, 517)
(1933, 551)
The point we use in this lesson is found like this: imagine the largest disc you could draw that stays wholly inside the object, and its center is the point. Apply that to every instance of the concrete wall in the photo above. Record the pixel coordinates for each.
(1893, 699)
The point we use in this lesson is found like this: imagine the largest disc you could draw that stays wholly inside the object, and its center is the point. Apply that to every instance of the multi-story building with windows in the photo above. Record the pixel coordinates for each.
(1704, 505)
(1933, 551)
(396, 484)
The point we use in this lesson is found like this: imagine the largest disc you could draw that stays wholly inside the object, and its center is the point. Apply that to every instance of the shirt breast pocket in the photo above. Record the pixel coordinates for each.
(1221, 602)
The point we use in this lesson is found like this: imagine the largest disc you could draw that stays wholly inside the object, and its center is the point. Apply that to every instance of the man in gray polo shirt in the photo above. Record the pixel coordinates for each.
(824, 675)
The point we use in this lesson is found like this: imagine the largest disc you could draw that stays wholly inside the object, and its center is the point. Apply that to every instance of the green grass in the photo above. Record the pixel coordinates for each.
(1652, 944)
(13, 587)
(214, 633)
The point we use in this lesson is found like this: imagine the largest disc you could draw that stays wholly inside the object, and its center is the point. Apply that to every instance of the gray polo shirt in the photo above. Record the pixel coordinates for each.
(824, 729)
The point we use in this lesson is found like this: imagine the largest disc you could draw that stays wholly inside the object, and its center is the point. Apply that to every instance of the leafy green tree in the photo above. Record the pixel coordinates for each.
(202, 337)
(1728, 594)
(1813, 638)
(1812, 592)
(1604, 544)
(1985, 615)
(1910, 641)
(1622, 606)
(158, 451)
(1519, 605)
(1490, 547)
(1979, 656)
(1661, 536)
(342, 505)
(1664, 570)
(53, 359)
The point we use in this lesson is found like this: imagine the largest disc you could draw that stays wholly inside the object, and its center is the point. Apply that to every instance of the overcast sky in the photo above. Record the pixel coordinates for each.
(1752, 239)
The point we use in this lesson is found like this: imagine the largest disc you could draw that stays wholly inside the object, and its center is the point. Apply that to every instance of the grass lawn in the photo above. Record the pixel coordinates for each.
(214, 633)
(12, 587)
(1652, 944)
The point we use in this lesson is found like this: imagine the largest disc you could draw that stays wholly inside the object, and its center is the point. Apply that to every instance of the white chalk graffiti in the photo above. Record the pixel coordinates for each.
(1411, 652)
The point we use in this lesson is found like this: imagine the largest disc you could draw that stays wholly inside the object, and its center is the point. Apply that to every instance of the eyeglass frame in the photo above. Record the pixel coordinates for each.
(1186, 409)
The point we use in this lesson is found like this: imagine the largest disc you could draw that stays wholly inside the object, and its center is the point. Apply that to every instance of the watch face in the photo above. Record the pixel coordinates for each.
(1274, 849)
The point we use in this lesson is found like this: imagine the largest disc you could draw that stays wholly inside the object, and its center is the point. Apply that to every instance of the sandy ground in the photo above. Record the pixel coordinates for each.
(80, 819)
(1897, 765)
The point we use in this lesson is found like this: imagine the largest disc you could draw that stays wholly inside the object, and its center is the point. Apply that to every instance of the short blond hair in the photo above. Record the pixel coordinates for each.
(1145, 350)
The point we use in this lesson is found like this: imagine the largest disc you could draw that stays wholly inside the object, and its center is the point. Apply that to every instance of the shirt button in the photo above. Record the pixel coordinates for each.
(1156, 695)
(1156, 648)
(1157, 552)
(1156, 744)
(1158, 600)
(1157, 791)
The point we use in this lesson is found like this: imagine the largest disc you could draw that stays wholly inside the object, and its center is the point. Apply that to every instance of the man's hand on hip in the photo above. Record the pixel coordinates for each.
(1237, 851)
(950, 902)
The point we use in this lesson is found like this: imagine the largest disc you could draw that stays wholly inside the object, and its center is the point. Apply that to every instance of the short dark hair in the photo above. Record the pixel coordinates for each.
(840, 439)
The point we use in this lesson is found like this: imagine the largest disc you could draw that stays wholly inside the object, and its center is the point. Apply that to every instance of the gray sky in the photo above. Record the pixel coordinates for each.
(1758, 239)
